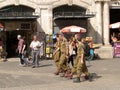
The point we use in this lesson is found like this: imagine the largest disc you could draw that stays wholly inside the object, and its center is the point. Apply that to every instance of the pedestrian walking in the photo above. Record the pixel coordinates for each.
(19, 48)
(24, 52)
(80, 64)
(91, 57)
(63, 66)
(35, 46)
(56, 53)
(72, 51)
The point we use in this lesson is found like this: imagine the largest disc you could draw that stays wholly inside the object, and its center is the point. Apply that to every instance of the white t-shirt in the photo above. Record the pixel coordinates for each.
(71, 51)
(34, 45)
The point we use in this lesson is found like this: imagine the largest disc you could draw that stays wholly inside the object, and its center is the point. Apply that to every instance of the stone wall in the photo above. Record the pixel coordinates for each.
(44, 8)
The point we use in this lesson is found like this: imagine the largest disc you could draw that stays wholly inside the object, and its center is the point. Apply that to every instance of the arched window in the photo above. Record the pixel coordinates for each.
(69, 15)
(17, 12)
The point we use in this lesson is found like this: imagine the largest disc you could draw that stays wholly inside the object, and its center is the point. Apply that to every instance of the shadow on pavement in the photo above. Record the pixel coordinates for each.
(94, 76)
(47, 65)
(89, 66)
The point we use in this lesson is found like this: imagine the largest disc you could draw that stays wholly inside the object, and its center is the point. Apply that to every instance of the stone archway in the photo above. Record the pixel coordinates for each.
(26, 3)
(17, 20)
(69, 15)
(79, 3)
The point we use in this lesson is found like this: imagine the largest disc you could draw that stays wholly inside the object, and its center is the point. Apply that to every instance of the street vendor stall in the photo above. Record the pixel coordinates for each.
(3, 53)
(49, 46)
(70, 31)
(115, 40)
(116, 49)
(73, 29)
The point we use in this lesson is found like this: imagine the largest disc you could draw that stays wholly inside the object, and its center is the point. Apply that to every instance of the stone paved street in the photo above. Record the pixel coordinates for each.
(14, 77)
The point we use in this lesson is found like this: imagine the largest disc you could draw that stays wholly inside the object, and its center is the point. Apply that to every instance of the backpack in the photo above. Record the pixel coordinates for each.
(87, 49)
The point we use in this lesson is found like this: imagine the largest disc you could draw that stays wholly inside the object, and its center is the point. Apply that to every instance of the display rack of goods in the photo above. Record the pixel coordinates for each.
(49, 46)
(116, 49)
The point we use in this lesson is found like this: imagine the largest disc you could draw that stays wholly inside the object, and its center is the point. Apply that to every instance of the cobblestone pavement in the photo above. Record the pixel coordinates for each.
(106, 76)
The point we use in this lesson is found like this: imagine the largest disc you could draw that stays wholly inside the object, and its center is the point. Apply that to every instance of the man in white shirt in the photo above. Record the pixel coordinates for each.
(35, 46)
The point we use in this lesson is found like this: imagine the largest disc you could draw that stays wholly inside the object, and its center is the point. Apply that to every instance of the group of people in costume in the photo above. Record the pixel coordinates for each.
(66, 51)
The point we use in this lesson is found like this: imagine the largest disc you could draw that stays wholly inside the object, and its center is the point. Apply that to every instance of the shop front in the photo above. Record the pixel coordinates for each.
(70, 15)
(115, 27)
(16, 20)
(114, 18)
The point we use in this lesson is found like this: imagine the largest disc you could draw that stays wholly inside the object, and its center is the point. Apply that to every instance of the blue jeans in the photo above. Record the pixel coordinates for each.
(21, 59)
(24, 58)
(35, 55)
(91, 57)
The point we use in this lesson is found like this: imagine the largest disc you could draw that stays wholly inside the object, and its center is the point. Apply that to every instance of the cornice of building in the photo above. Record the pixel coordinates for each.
(43, 2)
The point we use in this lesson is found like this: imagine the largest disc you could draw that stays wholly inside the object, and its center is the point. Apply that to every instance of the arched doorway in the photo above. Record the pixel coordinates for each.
(69, 15)
(114, 17)
(17, 20)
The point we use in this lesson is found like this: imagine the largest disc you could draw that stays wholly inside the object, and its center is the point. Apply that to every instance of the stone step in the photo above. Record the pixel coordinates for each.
(105, 52)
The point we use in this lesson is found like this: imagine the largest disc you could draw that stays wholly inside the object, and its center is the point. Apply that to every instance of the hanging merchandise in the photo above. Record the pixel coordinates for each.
(116, 50)
(49, 46)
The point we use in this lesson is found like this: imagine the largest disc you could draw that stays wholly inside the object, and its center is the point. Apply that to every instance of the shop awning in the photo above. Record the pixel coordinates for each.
(73, 29)
(114, 25)
(18, 15)
(29, 17)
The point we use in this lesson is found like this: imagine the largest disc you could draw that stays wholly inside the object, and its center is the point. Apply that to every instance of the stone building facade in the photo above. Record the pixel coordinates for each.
(49, 16)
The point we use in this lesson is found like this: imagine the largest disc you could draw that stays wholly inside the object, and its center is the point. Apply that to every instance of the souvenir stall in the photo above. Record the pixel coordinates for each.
(49, 46)
(116, 40)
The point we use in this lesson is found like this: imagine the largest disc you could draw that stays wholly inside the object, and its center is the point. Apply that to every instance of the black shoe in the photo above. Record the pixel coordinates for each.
(77, 80)
(90, 77)
(86, 77)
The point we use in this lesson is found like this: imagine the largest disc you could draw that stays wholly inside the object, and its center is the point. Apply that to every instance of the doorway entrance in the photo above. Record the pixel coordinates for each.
(70, 15)
(12, 42)
(114, 17)
(17, 20)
